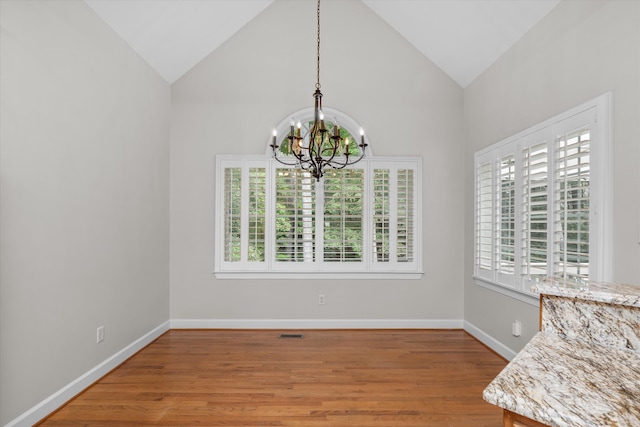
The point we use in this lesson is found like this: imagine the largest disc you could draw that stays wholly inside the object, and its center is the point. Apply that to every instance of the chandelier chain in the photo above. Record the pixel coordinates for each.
(318, 51)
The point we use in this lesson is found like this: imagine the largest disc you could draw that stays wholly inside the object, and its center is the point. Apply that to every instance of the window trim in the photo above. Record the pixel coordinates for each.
(367, 269)
(600, 199)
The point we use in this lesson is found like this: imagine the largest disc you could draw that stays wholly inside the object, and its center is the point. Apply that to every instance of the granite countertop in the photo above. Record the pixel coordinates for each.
(566, 383)
(612, 293)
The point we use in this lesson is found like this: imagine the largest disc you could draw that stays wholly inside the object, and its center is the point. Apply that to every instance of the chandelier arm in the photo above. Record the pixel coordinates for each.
(339, 166)
(300, 157)
(285, 163)
(333, 154)
(355, 161)
(316, 154)
(363, 148)
(305, 166)
(313, 160)
(319, 146)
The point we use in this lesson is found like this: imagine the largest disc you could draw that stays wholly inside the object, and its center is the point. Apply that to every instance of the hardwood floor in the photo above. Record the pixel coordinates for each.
(328, 378)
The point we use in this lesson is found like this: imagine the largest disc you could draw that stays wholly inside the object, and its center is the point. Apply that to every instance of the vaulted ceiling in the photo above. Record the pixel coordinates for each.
(462, 37)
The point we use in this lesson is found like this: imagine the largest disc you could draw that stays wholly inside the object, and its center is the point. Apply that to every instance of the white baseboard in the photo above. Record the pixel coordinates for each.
(489, 341)
(62, 396)
(316, 323)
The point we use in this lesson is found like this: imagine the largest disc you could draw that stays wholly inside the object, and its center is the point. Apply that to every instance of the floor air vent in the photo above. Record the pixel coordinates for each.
(291, 336)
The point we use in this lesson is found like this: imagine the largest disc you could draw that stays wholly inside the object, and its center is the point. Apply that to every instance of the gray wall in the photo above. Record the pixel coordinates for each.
(84, 198)
(86, 167)
(582, 49)
(230, 102)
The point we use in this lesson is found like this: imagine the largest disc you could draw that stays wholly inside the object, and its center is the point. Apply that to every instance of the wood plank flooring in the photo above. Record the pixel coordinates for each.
(328, 378)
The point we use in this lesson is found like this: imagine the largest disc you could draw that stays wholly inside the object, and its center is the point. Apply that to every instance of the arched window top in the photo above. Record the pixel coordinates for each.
(306, 115)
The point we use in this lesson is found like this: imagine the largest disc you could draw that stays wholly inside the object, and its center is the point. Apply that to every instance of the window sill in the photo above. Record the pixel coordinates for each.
(410, 275)
(529, 298)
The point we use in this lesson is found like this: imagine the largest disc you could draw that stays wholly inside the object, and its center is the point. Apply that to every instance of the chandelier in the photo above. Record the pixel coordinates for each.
(318, 147)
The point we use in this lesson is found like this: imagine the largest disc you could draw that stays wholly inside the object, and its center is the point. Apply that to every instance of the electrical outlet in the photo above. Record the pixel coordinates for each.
(321, 299)
(516, 328)
(100, 334)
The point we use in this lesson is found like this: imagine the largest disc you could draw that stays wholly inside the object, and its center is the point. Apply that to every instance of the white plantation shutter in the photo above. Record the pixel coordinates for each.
(343, 209)
(535, 211)
(405, 215)
(279, 221)
(295, 216)
(505, 218)
(542, 208)
(571, 215)
(232, 214)
(242, 220)
(256, 215)
(394, 234)
(381, 215)
(484, 218)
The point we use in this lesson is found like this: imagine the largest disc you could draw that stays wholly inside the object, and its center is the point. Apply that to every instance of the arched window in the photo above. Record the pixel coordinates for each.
(349, 129)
